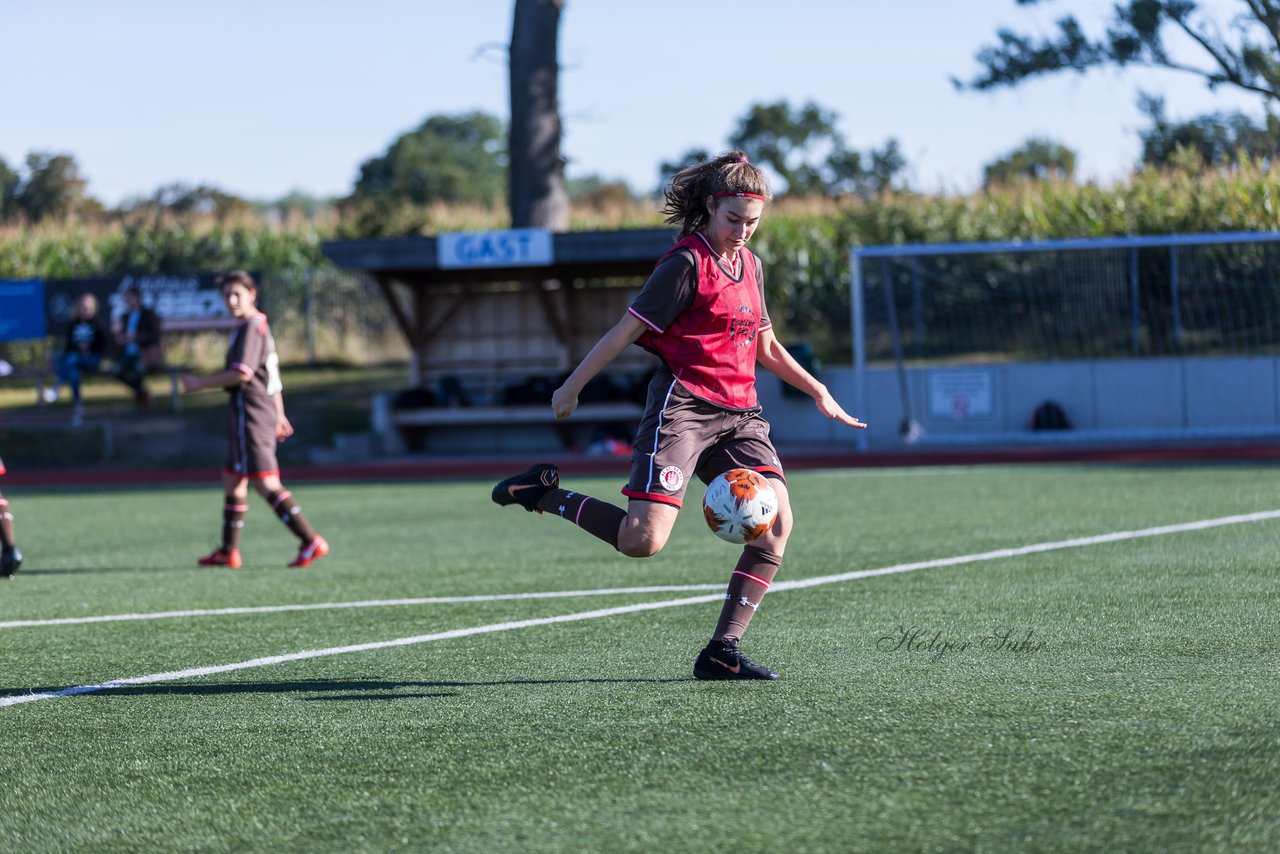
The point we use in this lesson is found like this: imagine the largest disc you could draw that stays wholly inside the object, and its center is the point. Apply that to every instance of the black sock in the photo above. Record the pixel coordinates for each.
(291, 514)
(232, 522)
(596, 517)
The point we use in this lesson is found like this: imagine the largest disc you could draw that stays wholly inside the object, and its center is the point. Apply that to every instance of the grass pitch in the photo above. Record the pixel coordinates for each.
(1117, 695)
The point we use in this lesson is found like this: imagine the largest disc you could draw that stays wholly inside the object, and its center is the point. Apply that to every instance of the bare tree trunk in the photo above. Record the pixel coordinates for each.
(537, 193)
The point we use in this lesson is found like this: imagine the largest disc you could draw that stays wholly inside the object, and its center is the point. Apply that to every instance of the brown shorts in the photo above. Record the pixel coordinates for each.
(251, 444)
(682, 435)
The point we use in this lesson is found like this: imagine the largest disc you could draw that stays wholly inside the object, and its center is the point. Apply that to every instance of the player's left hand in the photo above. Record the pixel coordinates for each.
(827, 406)
(563, 403)
(283, 429)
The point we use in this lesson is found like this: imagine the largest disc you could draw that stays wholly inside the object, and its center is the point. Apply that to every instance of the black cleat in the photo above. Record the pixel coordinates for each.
(527, 488)
(10, 560)
(722, 660)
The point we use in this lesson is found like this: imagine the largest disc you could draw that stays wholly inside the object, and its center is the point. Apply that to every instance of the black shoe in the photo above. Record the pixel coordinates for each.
(527, 488)
(722, 660)
(10, 560)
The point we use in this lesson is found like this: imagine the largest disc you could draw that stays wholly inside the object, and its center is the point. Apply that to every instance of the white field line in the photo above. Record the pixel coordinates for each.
(1035, 548)
(998, 554)
(370, 603)
(360, 647)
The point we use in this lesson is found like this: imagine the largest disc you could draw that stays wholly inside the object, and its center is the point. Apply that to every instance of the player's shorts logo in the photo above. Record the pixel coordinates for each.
(671, 478)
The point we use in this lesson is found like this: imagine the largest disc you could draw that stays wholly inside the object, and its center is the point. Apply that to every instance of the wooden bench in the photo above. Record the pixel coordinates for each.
(41, 378)
(477, 416)
(469, 429)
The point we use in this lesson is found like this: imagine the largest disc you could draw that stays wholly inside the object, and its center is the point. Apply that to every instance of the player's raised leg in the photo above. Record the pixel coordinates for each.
(639, 531)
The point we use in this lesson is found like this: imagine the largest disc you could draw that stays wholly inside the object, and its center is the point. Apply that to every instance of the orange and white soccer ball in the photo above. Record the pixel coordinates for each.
(739, 505)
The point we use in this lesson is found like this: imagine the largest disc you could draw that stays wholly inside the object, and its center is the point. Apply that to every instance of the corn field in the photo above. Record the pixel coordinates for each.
(326, 315)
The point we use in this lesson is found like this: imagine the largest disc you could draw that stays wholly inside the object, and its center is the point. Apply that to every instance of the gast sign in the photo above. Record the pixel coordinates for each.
(517, 247)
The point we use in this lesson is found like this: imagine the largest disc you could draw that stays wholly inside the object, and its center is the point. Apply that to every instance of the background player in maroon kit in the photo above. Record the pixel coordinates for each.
(255, 422)
(702, 313)
(10, 557)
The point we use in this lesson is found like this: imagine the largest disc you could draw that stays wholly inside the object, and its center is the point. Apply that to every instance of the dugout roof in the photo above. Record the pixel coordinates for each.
(576, 255)
(582, 270)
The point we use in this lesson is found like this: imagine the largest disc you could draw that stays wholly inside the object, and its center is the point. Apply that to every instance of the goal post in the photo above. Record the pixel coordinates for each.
(1007, 302)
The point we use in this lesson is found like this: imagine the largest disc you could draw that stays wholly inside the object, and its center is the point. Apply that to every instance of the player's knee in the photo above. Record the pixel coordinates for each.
(640, 543)
(267, 486)
(776, 538)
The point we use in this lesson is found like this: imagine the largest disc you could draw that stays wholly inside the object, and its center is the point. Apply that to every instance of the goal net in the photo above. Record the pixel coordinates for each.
(1105, 298)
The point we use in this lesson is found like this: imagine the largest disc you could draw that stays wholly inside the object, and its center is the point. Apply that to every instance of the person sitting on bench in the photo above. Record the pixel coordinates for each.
(138, 344)
(82, 352)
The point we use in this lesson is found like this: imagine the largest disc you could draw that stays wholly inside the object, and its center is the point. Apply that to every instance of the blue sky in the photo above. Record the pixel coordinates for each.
(261, 98)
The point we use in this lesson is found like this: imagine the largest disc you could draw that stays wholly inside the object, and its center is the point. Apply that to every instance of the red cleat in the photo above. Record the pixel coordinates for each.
(222, 557)
(312, 551)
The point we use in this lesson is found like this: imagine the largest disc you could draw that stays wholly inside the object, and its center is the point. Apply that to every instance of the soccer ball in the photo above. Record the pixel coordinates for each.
(739, 506)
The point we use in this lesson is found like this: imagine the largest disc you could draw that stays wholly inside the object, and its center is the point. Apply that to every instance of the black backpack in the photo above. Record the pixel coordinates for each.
(1049, 416)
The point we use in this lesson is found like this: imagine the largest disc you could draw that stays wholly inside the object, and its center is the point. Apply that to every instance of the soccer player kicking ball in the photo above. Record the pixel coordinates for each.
(255, 422)
(702, 313)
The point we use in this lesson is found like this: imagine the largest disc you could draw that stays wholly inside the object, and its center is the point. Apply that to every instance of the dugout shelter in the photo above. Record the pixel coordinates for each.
(494, 319)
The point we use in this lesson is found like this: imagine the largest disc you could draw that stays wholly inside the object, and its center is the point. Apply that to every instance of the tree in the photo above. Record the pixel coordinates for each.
(300, 204)
(667, 168)
(806, 150)
(459, 158)
(9, 182)
(796, 144)
(1036, 159)
(1218, 139)
(183, 200)
(1247, 57)
(537, 194)
(850, 176)
(52, 189)
(593, 191)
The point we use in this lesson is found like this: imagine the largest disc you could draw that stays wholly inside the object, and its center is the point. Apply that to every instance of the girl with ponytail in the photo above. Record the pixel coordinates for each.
(702, 313)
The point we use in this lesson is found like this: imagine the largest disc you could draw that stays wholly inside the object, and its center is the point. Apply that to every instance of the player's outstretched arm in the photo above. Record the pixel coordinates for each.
(828, 406)
(222, 379)
(564, 400)
(771, 354)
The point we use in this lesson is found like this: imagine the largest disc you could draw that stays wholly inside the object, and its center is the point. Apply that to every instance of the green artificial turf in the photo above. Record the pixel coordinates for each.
(1137, 709)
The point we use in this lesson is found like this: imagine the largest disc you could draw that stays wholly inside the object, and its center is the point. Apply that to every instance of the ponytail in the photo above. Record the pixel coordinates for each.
(730, 174)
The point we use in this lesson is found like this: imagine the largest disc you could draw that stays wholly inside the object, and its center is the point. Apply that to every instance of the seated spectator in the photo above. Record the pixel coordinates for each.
(138, 346)
(82, 352)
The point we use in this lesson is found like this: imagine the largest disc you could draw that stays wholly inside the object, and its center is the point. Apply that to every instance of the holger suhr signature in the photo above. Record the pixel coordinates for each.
(935, 646)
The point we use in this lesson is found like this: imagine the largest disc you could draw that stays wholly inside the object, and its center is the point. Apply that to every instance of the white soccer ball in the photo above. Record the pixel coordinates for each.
(739, 506)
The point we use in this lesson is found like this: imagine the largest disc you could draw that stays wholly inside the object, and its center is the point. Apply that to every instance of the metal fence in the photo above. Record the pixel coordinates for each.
(329, 315)
(1195, 295)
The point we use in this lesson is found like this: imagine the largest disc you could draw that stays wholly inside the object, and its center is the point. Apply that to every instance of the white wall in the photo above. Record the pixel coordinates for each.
(1107, 400)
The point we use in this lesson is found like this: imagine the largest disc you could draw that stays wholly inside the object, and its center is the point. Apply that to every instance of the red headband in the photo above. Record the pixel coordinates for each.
(739, 196)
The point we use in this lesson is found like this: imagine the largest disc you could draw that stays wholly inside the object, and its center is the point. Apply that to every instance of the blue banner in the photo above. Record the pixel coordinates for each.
(21, 310)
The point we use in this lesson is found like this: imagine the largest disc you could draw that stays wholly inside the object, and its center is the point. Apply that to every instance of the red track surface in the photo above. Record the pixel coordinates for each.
(453, 468)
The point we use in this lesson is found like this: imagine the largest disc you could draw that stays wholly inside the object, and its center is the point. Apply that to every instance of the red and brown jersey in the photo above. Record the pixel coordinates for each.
(703, 319)
(252, 352)
(253, 417)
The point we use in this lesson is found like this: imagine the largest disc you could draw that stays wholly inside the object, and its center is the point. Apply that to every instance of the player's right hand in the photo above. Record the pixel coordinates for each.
(189, 382)
(563, 403)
